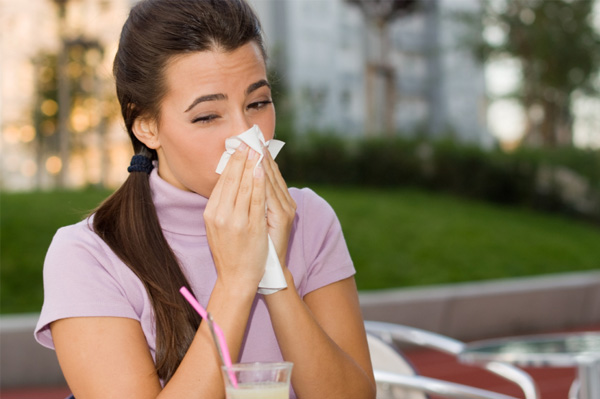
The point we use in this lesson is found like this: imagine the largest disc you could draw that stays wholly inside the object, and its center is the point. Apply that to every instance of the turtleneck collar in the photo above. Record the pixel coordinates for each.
(179, 211)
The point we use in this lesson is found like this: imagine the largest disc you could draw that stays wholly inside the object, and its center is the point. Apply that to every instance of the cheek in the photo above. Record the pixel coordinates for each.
(213, 156)
(192, 156)
(197, 167)
(267, 126)
(204, 154)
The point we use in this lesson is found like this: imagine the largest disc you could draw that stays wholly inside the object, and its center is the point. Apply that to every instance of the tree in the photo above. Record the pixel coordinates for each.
(380, 75)
(71, 103)
(45, 110)
(558, 50)
(384, 11)
(87, 108)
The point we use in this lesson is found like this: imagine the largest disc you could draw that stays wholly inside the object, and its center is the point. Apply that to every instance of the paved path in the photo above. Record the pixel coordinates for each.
(553, 383)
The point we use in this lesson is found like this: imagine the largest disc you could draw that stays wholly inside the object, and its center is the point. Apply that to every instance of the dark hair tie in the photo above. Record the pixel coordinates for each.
(140, 163)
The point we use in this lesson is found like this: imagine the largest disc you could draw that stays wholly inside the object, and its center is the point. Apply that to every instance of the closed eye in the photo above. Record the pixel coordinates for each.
(259, 104)
(205, 118)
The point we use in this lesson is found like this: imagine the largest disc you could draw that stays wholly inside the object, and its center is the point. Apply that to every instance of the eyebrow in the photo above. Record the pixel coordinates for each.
(217, 97)
(208, 97)
(257, 85)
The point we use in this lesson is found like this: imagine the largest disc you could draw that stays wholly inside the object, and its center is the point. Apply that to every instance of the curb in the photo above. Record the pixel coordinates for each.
(464, 311)
(492, 308)
(24, 362)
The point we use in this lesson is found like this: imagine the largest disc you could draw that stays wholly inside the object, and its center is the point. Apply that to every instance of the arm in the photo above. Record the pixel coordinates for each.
(108, 357)
(326, 324)
(103, 357)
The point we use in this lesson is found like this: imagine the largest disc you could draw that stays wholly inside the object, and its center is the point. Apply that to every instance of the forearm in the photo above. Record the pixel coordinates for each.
(321, 368)
(199, 374)
(236, 231)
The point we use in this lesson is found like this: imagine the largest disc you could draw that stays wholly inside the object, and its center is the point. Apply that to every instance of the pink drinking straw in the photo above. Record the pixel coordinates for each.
(222, 343)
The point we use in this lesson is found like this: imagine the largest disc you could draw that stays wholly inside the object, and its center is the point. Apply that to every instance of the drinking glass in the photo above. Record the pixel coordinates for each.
(258, 380)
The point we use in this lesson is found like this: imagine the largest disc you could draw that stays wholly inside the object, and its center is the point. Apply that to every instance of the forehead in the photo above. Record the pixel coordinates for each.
(215, 67)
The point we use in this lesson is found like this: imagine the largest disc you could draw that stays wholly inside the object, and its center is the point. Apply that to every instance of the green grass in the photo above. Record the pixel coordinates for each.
(396, 237)
(407, 237)
(28, 222)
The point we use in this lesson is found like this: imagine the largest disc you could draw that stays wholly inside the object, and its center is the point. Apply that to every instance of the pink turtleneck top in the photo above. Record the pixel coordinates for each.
(83, 277)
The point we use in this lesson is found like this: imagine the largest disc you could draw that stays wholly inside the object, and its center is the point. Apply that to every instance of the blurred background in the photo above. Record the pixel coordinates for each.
(458, 140)
(498, 73)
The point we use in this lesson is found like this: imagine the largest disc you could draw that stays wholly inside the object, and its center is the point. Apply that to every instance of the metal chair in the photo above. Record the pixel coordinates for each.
(396, 378)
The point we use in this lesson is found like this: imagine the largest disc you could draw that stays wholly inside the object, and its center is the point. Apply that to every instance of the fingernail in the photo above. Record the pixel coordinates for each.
(258, 171)
(242, 146)
(251, 154)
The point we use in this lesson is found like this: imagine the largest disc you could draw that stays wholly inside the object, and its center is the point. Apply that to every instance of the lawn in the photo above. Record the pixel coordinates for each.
(407, 237)
(27, 224)
(396, 237)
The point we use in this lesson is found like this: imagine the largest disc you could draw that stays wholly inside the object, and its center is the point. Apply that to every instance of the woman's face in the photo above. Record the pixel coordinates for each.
(211, 95)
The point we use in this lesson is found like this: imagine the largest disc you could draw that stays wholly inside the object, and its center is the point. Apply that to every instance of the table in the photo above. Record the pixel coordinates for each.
(580, 350)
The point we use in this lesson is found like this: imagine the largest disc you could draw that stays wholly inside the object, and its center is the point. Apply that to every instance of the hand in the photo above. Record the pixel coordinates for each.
(236, 226)
(281, 207)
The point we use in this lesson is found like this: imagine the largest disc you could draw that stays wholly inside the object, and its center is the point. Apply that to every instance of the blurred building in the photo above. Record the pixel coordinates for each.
(30, 30)
(327, 55)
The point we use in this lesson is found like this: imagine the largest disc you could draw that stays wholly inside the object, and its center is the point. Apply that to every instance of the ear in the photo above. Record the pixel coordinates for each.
(146, 131)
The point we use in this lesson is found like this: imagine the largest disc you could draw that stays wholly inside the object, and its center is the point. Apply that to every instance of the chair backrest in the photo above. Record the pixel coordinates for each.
(385, 358)
(388, 333)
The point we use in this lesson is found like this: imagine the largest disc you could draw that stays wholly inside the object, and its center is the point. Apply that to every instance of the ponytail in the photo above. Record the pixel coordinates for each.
(128, 223)
(154, 33)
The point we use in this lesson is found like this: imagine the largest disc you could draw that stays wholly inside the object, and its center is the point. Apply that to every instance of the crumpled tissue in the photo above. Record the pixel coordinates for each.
(273, 280)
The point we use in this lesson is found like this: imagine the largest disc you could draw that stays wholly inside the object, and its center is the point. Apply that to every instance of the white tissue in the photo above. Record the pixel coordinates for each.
(273, 280)
(255, 140)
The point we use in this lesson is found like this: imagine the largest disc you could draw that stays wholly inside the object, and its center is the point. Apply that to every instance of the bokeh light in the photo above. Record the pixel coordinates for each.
(28, 168)
(49, 107)
(27, 134)
(53, 165)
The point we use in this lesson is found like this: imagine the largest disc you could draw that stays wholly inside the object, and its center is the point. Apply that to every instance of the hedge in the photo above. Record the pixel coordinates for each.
(444, 165)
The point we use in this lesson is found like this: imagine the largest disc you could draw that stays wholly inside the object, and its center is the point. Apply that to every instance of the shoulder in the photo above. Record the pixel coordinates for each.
(81, 232)
(77, 249)
(315, 217)
(308, 201)
(318, 237)
(84, 278)
(78, 236)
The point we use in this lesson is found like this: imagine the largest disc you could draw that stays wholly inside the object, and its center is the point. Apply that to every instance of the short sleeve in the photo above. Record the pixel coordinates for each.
(83, 278)
(325, 250)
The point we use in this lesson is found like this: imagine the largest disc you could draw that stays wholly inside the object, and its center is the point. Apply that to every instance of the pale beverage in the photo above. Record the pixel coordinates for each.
(276, 390)
(257, 380)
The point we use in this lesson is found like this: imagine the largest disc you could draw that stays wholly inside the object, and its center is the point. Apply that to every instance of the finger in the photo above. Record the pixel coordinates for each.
(273, 199)
(280, 188)
(230, 178)
(215, 195)
(244, 194)
(258, 200)
(276, 173)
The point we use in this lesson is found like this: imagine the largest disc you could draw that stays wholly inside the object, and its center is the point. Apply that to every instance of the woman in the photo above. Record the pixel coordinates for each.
(190, 74)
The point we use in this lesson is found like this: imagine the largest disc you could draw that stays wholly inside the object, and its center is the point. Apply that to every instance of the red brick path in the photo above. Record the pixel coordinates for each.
(553, 383)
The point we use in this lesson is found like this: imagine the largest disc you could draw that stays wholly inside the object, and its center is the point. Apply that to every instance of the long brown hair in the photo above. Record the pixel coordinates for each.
(156, 31)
